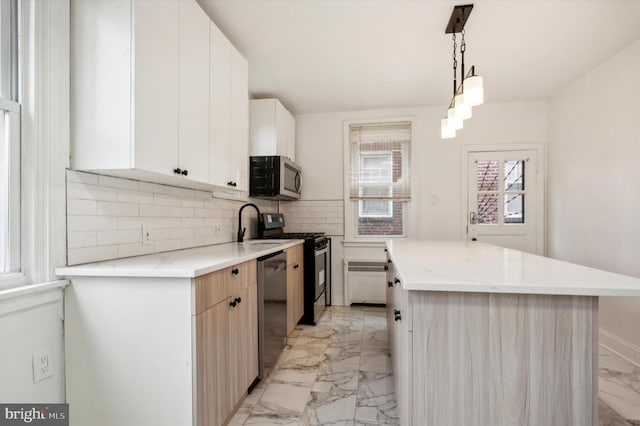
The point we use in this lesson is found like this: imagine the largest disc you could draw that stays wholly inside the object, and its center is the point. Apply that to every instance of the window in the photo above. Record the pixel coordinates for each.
(376, 168)
(9, 140)
(379, 177)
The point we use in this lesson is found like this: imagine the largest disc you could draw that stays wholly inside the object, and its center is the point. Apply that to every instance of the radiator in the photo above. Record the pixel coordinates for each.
(366, 281)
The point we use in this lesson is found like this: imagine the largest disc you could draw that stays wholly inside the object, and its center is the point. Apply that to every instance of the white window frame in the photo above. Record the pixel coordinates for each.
(43, 93)
(380, 183)
(10, 263)
(351, 237)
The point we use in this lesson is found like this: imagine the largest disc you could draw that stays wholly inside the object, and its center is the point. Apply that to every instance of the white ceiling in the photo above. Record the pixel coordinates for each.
(331, 55)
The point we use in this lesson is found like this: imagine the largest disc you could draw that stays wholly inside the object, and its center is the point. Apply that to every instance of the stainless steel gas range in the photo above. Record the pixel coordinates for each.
(317, 263)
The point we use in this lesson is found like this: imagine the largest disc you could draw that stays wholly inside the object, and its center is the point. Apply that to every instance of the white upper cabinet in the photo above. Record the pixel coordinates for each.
(194, 91)
(154, 87)
(239, 153)
(272, 129)
(229, 131)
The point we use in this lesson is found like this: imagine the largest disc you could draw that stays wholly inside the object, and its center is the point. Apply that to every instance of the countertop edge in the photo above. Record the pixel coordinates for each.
(95, 269)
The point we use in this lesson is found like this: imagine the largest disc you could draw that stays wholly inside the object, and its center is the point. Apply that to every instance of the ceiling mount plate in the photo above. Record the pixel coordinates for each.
(458, 18)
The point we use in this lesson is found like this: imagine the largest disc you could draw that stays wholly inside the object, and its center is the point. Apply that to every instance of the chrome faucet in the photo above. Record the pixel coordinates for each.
(242, 230)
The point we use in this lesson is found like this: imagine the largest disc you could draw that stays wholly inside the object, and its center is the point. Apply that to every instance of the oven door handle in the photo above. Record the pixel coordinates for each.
(321, 251)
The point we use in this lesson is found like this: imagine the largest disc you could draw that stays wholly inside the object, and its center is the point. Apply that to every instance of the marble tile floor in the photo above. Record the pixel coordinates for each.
(337, 373)
(619, 386)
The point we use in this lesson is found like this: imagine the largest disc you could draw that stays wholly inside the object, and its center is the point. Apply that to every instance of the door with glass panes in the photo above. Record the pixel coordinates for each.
(502, 199)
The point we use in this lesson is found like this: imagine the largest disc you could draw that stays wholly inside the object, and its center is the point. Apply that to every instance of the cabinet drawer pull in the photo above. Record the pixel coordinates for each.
(233, 304)
(396, 314)
(235, 271)
(389, 284)
(177, 170)
(388, 260)
(296, 266)
(386, 268)
(396, 281)
(238, 300)
(185, 172)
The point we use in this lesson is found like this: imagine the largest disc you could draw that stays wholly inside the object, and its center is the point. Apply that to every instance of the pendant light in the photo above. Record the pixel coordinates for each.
(470, 93)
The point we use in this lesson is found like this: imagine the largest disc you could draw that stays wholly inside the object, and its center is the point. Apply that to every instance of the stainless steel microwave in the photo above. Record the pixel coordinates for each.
(274, 177)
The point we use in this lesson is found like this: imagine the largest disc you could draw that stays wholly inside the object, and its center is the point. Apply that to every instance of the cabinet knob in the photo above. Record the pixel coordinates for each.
(388, 260)
(235, 271)
(396, 315)
(389, 284)
(296, 266)
(234, 184)
(185, 172)
(238, 300)
(229, 183)
(233, 304)
(386, 268)
(177, 170)
(396, 281)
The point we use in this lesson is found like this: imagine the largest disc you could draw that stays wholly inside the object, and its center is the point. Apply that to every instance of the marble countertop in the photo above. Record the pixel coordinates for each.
(187, 263)
(465, 266)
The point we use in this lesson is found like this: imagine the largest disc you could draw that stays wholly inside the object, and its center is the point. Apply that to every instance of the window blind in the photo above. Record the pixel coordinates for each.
(380, 161)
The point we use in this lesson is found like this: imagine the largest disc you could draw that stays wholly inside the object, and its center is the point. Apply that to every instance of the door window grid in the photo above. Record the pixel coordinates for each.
(497, 182)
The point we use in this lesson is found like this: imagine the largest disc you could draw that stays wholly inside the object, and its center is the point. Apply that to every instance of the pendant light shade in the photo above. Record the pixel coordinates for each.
(473, 90)
(470, 91)
(446, 132)
(454, 122)
(462, 109)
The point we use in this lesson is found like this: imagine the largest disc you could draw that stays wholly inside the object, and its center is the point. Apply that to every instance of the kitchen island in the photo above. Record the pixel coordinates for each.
(486, 336)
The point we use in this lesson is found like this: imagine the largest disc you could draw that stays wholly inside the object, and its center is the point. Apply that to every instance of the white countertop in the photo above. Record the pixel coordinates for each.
(187, 263)
(463, 266)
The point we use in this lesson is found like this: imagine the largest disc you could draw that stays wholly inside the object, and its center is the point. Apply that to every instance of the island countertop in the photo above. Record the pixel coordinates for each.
(472, 266)
(186, 263)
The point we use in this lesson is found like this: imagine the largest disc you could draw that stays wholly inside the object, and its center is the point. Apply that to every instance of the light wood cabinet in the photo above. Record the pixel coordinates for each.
(295, 286)
(272, 129)
(226, 340)
(158, 94)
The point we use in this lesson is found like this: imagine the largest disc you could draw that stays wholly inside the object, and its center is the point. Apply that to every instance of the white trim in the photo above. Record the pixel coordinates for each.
(27, 297)
(44, 95)
(8, 105)
(620, 347)
(541, 177)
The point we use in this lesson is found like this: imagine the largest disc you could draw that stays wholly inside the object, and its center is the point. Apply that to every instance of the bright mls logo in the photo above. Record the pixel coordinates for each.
(34, 414)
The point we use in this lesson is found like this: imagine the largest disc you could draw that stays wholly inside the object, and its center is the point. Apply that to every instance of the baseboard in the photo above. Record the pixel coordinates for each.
(620, 347)
(337, 300)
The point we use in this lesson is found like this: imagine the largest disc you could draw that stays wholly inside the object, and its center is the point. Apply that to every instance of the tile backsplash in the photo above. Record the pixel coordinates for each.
(314, 216)
(106, 216)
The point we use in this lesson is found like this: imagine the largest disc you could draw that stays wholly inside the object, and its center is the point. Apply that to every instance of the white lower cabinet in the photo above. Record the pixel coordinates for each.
(160, 351)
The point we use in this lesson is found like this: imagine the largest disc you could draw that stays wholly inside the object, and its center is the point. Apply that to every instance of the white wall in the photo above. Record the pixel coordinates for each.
(594, 179)
(29, 324)
(436, 163)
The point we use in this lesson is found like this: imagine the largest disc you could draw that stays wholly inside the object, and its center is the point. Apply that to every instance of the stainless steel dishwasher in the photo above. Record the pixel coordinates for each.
(272, 309)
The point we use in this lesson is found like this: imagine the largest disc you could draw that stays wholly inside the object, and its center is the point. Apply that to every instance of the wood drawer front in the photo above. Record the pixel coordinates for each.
(211, 289)
(241, 276)
(295, 255)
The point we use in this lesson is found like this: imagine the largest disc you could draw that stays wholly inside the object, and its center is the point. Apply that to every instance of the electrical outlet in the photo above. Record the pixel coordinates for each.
(42, 367)
(146, 234)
